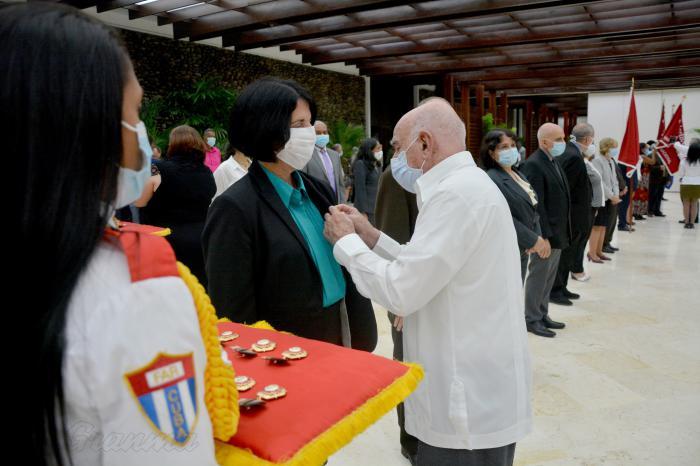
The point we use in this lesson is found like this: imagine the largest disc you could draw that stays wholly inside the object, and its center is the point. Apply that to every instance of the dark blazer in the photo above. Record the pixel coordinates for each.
(365, 185)
(181, 203)
(397, 209)
(549, 182)
(260, 267)
(580, 191)
(525, 216)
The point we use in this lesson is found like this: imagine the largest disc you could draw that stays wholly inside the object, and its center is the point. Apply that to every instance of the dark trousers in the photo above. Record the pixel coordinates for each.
(623, 206)
(656, 192)
(538, 284)
(429, 455)
(610, 228)
(567, 262)
(408, 441)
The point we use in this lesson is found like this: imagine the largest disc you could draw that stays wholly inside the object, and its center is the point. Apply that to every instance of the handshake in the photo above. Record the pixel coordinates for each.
(343, 220)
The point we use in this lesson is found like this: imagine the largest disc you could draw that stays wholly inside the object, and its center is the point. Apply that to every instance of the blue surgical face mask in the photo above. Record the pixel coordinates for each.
(130, 183)
(647, 152)
(211, 141)
(614, 152)
(508, 157)
(322, 140)
(404, 175)
(558, 149)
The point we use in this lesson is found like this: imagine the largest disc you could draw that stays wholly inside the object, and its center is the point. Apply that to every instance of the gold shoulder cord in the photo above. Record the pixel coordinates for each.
(220, 393)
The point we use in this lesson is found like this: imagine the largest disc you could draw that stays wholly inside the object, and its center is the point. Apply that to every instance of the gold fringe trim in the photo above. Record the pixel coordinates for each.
(162, 233)
(220, 392)
(337, 436)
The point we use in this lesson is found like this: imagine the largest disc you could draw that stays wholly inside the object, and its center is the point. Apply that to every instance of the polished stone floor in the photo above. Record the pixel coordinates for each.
(621, 384)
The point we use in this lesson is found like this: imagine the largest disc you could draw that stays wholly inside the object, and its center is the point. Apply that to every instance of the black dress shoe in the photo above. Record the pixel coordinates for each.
(538, 328)
(614, 248)
(561, 300)
(549, 323)
(660, 214)
(608, 249)
(570, 295)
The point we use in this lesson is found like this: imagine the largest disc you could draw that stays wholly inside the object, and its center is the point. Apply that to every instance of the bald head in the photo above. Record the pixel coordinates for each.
(429, 133)
(548, 134)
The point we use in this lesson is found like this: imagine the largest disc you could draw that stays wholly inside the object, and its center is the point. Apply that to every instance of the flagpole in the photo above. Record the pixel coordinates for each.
(630, 208)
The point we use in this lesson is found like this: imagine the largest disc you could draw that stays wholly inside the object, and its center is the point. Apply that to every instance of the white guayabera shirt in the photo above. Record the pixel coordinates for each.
(458, 284)
(133, 369)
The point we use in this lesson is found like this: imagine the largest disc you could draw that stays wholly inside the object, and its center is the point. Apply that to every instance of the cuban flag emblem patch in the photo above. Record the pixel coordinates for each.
(166, 391)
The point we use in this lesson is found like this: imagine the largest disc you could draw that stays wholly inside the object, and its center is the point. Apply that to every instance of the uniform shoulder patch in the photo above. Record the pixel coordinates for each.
(166, 393)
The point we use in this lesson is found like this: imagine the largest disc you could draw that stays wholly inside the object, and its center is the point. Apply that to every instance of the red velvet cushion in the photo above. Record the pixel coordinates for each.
(322, 389)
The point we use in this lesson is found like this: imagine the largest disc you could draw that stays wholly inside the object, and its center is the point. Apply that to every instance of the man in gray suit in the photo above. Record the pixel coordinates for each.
(325, 163)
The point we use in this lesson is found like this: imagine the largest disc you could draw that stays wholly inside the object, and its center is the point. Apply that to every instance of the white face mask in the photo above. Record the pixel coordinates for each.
(300, 147)
(404, 175)
(130, 183)
(211, 141)
(589, 150)
(379, 156)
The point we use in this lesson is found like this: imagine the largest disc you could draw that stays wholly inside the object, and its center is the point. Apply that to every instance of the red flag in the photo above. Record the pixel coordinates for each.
(629, 149)
(662, 123)
(668, 153)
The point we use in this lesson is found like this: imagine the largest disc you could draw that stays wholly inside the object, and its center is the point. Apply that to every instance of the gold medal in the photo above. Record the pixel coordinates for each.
(295, 352)
(272, 392)
(243, 383)
(264, 345)
(227, 336)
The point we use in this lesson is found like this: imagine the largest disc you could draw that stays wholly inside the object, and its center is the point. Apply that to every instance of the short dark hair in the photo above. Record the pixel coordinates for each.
(259, 120)
(642, 146)
(694, 152)
(489, 143)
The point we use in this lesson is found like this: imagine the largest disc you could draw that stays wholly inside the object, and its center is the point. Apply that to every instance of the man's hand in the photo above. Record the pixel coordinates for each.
(363, 227)
(398, 323)
(615, 200)
(338, 224)
(541, 248)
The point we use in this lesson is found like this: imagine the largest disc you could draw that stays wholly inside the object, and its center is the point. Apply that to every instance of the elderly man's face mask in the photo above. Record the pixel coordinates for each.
(405, 175)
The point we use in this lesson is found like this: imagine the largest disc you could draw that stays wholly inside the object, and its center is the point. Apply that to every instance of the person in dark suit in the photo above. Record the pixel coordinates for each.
(396, 214)
(325, 163)
(366, 171)
(549, 182)
(574, 167)
(183, 197)
(265, 253)
(498, 155)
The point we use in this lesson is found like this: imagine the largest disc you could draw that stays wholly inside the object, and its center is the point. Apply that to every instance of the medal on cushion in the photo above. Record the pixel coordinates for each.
(227, 336)
(248, 404)
(243, 383)
(264, 345)
(295, 352)
(272, 392)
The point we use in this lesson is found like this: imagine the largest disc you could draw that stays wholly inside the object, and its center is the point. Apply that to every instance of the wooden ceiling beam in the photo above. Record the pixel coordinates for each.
(691, 19)
(295, 32)
(650, 48)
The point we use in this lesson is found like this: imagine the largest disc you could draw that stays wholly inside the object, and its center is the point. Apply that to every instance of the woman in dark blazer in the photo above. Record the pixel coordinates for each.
(498, 155)
(183, 197)
(366, 171)
(266, 257)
